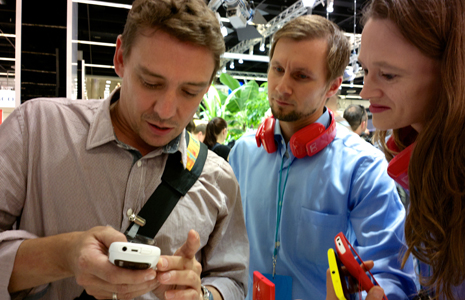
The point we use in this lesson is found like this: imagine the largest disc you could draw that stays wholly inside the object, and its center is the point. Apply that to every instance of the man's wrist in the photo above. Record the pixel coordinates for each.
(207, 295)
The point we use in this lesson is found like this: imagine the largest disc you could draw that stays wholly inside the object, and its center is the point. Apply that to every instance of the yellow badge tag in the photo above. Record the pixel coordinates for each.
(192, 152)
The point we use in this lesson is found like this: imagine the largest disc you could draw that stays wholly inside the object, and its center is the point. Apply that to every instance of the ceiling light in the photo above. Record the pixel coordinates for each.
(308, 3)
(224, 31)
(94, 43)
(330, 6)
(240, 61)
(230, 55)
(100, 66)
(103, 3)
(231, 66)
(355, 85)
(353, 97)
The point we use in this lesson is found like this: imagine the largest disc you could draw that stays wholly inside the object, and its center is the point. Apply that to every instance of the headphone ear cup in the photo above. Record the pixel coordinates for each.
(391, 145)
(265, 135)
(398, 166)
(301, 138)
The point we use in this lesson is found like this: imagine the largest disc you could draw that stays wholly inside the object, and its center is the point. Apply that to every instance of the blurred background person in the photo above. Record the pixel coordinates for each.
(191, 126)
(215, 135)
(199, 131)
(357, 117)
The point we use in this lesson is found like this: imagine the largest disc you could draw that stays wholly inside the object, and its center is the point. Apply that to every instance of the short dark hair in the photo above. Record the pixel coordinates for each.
(200, 128)
(355, 115)
(187, 20)
(191, 126)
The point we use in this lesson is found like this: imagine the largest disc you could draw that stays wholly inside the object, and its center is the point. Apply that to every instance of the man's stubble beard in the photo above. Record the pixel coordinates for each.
(289, 117)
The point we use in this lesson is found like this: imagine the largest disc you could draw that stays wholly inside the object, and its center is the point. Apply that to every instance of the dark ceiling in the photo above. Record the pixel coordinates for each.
(43, 57)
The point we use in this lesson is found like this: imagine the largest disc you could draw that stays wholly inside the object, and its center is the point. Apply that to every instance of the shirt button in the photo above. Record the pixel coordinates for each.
(129, 212)
(139, 163)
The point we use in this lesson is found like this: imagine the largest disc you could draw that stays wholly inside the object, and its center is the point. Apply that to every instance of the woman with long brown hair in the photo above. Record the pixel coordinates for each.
(413, 56)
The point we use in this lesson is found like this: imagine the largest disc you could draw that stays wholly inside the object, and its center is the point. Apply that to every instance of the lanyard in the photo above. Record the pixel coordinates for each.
(278, 214)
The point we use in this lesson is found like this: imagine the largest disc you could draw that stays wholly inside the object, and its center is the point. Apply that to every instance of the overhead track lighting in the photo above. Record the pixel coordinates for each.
(308, 3)
(330, 6)
(262, 46)
(224, 31)
(104, 3)
(262, 58)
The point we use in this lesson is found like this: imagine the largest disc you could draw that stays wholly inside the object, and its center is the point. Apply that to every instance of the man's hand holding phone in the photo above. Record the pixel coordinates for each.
(91, 267)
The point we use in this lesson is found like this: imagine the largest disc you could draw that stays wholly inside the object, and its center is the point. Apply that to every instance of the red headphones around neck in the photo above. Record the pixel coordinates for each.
(398, 166)
(307, 141)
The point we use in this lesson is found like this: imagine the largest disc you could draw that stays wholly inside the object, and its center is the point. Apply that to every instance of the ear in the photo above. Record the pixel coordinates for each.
(364, 125)
(334, 87)
(118, 61)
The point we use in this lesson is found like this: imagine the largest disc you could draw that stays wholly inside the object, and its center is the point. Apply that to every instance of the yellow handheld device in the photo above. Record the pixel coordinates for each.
(335, 276)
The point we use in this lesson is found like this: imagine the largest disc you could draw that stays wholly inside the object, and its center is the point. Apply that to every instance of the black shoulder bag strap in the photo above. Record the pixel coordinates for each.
(175, 183)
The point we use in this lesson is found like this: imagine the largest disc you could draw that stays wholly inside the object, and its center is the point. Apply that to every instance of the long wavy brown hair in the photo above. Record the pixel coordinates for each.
(435, 224)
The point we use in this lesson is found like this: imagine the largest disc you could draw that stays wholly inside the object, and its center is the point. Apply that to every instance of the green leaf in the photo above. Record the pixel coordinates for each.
(229, 81)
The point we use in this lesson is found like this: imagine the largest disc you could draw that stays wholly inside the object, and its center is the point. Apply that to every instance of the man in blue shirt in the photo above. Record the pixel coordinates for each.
(310, 180)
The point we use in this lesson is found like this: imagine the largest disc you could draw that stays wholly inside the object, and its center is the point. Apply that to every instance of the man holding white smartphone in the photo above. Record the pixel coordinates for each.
(68, 167)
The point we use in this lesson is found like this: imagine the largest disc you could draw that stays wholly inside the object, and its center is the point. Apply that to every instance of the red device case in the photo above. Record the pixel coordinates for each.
(348, 260)
(263, 289)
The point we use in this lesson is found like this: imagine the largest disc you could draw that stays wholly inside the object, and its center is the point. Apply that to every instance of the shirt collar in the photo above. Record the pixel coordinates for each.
(101, 131)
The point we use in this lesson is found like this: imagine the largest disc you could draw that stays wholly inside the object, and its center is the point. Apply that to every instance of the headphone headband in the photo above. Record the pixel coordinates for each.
(307, 141)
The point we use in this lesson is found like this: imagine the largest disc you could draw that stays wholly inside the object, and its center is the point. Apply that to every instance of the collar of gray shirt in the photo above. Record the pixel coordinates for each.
(101, 132)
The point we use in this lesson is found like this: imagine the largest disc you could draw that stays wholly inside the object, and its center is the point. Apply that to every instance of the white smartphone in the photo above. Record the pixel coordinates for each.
(133, 256)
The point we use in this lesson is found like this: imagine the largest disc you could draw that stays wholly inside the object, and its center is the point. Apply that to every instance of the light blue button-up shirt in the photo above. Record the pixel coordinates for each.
(343, 188)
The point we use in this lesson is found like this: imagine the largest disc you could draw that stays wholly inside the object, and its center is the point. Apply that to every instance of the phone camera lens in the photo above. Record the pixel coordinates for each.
(124, 249)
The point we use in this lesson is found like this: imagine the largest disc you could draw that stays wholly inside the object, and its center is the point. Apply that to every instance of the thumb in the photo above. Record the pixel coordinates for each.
(107, 235)
(330, 293)
(376, 293)
(190, 246)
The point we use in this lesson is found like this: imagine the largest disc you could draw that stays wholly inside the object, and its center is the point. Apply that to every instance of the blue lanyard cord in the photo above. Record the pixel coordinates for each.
(279, 210)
